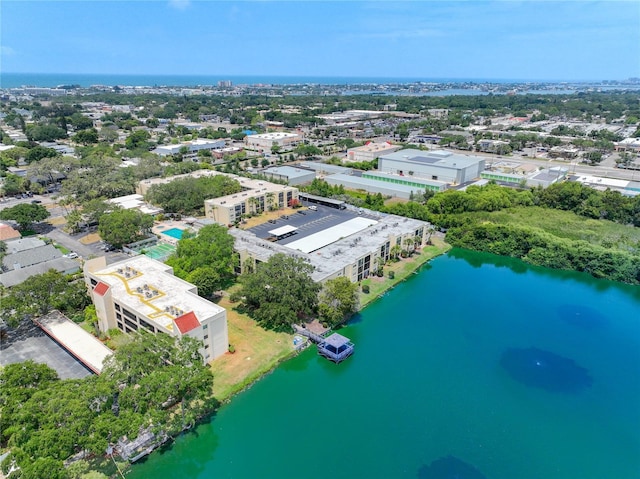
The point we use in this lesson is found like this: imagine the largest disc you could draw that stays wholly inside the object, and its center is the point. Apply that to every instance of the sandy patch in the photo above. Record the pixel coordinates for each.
(90, 238)
(57, 221)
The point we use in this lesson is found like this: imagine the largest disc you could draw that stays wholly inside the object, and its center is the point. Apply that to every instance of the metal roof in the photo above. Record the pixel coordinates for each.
(283, 230)
(331, 235)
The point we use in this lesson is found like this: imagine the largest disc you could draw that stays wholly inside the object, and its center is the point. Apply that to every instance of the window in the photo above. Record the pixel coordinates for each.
(119, 316)
(93, 282)
(131, 324)
(206, 336)
(128, 314)
(117, 306)
(146, 325)
(206, 346)
(205, 326)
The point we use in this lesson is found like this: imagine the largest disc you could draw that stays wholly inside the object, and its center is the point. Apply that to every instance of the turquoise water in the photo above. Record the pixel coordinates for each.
(426, 382)
(174, 233)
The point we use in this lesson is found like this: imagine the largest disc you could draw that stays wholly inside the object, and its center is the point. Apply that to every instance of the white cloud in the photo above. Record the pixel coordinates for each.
(7, 51)
(180, 4)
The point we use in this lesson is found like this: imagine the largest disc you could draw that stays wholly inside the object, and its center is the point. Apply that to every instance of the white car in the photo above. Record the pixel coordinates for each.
(72, 255)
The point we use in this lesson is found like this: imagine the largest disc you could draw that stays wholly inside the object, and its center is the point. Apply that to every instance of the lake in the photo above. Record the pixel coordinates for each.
(477, 366)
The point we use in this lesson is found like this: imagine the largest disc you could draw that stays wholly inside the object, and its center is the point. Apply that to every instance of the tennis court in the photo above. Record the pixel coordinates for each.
(160, 251)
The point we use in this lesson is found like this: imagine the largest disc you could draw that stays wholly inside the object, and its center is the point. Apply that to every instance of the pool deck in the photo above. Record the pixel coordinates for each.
(160, 227)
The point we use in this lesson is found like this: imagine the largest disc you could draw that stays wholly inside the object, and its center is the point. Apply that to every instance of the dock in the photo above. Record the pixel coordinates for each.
(332, 346)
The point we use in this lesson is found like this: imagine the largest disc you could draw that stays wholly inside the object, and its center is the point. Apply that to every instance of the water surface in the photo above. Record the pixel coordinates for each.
(426, 390)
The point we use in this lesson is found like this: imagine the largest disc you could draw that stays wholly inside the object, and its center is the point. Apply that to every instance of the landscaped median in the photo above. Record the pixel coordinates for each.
(401, 270)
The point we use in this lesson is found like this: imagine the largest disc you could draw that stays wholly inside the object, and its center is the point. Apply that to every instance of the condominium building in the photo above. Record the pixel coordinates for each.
(354, 249)
(141, 294)
(256, 196)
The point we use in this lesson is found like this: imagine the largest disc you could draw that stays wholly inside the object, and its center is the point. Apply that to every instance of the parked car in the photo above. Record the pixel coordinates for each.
(313, 208)
(272, 220)
(72, 255)
(35, 202)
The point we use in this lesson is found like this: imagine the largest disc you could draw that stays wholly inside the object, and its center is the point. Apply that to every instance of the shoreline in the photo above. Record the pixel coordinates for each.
(402, 270)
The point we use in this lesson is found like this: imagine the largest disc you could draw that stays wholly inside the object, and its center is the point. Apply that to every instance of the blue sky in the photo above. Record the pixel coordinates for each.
(574, 40)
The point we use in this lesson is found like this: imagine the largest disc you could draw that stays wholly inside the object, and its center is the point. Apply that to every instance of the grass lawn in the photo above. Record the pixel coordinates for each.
(401, 269)
(257, 351)
(566, 224)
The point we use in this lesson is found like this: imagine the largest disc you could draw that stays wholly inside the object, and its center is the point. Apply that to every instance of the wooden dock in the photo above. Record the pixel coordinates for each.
(332, 346)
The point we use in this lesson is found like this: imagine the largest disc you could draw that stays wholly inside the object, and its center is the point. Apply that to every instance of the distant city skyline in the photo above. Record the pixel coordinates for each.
(525, 40)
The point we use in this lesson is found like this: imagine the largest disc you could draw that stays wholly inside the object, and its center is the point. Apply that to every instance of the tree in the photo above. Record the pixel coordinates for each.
(124, 226)
(38, 152)
(41, 293)
(338, 300)
(87, 136)
(138, 139)
(279, 292)
(207, 261)
(25, 214)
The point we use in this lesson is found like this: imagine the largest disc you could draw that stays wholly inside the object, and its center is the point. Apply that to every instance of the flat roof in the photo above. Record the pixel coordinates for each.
(441, 158)
(320, 198)
(359, 182)
(288, 171)
(84, 346)
(149, 287)
(276, 135)
(283, 230)
(331, 235)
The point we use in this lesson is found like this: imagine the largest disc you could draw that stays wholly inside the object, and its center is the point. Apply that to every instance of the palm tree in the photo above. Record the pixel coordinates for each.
(408, 242)
(395, 251)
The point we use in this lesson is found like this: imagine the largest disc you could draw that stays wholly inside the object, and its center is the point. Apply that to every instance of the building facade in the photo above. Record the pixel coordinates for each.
(141, 294)
(371, 151)
(265, 141)
(256, 196)
(438, 165)
(353, 251)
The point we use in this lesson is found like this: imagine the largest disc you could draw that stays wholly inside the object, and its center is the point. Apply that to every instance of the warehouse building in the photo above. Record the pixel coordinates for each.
(191, 147)
(371, 151)
(143, 294)
(438, 165)
(293, 176)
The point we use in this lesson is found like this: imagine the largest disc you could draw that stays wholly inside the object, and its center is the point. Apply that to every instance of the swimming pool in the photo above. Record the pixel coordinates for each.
(174, 233)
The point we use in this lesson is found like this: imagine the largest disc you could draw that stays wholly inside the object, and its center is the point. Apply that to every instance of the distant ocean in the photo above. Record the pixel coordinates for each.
(16, 80)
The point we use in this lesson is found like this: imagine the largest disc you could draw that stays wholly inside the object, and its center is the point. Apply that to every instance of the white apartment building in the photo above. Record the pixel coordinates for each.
(265, 141)
(143, 294)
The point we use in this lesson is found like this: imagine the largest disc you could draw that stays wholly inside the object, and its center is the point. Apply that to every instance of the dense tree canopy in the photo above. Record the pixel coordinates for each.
(187, 195)
(338, 300)
(41, 293)
(46, 420)
(279, 292)
(207, 261)
(122, 227)
(25, 214)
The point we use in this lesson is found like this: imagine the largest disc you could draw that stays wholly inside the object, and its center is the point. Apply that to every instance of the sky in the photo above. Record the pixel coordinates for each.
(508, 40)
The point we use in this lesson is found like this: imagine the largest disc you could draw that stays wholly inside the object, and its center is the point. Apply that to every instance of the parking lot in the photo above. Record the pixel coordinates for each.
(28, 341)
(307, 221)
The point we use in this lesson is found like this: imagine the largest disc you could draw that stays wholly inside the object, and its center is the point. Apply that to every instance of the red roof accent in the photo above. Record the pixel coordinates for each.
(101, 288)
(187, 322)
